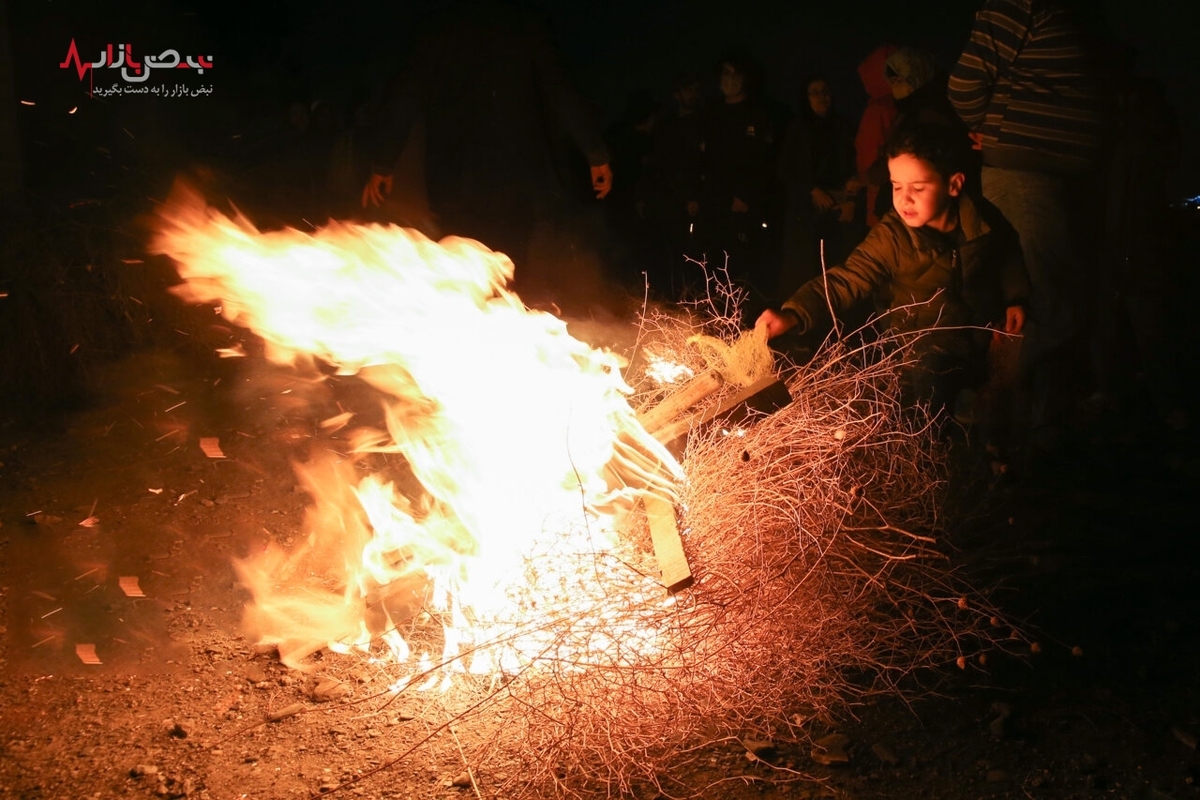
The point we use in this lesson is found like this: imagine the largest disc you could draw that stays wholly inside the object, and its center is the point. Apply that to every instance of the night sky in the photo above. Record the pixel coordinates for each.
(267, 53)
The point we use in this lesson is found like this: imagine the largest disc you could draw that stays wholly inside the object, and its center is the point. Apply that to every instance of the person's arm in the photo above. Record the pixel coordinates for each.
(995, 41)
(570, 111)
(842, 287)
(399, 115)
(1015, 285)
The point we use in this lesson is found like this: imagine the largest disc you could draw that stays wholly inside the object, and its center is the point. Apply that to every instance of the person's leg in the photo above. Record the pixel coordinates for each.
(1035, 205)
(936, 369)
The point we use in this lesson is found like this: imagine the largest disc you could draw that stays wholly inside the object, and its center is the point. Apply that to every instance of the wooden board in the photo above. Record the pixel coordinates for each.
(761, 397)
(681, 400)
(668, 546)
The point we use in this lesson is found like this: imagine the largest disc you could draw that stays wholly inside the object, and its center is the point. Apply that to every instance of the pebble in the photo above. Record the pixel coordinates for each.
(885, 754)
(329, 689)
(831, 749)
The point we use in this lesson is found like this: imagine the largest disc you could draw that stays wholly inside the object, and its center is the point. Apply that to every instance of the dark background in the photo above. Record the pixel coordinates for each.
(267, 54)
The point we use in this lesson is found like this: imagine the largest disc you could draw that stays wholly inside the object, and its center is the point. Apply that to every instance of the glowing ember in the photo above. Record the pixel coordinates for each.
(519, 435)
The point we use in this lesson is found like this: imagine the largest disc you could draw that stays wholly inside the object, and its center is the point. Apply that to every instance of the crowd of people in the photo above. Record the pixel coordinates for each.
(959, 200)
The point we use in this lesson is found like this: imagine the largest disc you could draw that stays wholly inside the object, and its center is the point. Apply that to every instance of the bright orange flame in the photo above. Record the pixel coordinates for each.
(520, 436)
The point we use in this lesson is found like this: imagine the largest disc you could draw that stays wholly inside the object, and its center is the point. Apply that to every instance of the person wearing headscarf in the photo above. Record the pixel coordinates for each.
(918, 88)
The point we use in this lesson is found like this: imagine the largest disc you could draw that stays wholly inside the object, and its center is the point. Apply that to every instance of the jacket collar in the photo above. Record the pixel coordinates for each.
(969, 219)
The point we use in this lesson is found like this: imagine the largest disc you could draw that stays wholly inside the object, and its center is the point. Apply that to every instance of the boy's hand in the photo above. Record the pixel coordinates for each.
(776, 322)
(1014, 319)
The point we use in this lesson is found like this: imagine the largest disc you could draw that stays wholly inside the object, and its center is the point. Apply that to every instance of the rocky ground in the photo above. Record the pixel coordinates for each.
(118, 532)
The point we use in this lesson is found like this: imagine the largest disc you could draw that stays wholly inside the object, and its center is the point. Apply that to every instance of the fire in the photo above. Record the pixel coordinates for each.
(520, 438)
(664, 371)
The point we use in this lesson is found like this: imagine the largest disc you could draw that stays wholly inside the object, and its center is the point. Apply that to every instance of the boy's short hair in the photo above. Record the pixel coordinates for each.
(943, 146)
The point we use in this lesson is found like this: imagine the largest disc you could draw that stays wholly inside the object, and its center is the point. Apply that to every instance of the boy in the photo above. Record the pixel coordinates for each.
(938, 262)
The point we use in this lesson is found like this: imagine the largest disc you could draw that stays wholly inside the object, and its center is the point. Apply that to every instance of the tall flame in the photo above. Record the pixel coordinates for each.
(519, 435)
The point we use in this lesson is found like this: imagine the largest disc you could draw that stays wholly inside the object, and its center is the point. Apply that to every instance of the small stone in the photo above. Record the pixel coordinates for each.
(176, 730)
(143, 769)
(759, 747)
(999, 727)
(1184, 737)
(996, 776)
(255, 673)
(885, 754)
(831, 749)
(462, 780)
(329, 689)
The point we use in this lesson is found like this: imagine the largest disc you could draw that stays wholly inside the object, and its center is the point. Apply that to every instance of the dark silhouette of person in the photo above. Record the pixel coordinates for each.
(675, 175)
(1133, 320)
(491, 88)
(816, 162)
(630, 139)
(739, 207)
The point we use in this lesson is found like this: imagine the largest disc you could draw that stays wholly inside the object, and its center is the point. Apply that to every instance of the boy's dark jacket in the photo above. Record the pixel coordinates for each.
(923, 279)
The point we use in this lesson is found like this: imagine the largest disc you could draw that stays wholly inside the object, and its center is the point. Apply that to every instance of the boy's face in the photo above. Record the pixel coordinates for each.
(923, 197)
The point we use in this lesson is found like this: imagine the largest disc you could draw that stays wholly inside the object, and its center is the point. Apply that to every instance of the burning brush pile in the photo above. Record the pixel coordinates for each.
(591, 564)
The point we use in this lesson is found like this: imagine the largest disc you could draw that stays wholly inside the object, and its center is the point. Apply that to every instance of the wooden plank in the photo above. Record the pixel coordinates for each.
(764, 396)
(668, 545)
(676, 403)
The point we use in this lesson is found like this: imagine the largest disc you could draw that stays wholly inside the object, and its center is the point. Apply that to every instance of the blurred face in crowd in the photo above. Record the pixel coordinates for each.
(901, 87)
(688, 97)
(820, 99)
(921, 195)
(733, 83)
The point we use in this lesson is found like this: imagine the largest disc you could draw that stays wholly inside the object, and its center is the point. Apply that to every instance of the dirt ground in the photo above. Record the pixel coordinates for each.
(1094, 549)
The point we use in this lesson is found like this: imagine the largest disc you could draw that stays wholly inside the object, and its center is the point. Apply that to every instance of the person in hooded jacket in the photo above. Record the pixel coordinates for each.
(873, 125)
